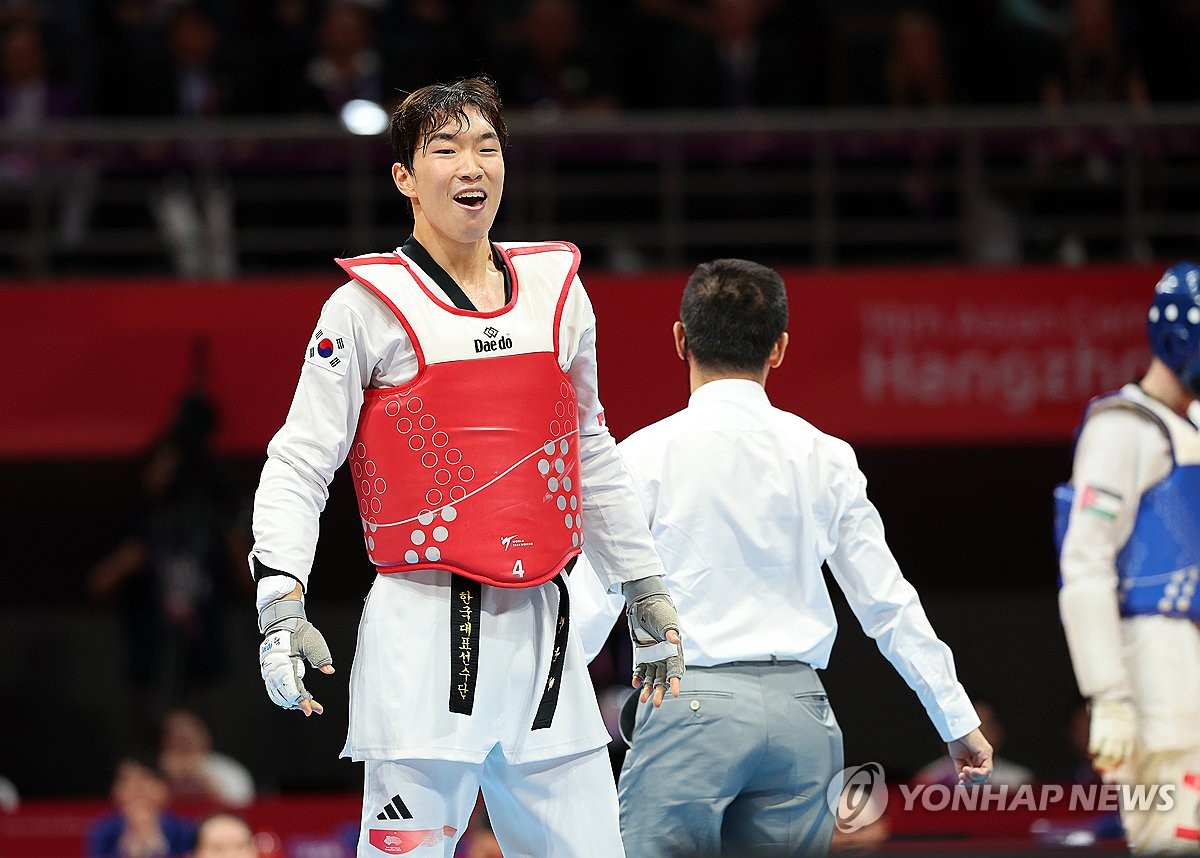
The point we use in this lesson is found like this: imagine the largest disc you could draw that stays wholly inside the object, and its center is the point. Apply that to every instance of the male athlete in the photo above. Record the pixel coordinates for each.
(1129, 525)
(459, 378)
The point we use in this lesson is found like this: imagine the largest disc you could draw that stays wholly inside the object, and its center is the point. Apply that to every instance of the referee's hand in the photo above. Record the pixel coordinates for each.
(972, 756)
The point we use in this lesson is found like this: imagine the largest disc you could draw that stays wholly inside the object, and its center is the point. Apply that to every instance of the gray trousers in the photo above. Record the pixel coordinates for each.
(738, 764)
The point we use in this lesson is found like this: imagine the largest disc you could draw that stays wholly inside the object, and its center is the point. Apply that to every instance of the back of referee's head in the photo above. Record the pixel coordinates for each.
(733, 313)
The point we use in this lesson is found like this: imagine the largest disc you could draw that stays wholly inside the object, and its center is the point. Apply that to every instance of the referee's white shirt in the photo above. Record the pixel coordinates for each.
(745, 502)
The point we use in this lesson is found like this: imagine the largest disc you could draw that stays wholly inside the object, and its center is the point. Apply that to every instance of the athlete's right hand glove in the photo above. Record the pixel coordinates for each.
(289, 640)
(1113, 732)
(654, 630)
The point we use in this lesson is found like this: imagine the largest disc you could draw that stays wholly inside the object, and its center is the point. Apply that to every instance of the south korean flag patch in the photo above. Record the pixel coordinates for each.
(329, 349)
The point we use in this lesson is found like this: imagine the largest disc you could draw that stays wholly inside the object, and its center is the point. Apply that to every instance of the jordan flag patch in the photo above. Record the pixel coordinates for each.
(329, 349)
(1100, 502)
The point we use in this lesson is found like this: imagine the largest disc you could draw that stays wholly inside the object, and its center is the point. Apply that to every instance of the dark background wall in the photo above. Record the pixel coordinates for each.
(970, 526)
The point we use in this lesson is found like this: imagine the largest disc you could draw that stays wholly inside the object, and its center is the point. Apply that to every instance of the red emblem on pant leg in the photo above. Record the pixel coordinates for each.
(396, 842)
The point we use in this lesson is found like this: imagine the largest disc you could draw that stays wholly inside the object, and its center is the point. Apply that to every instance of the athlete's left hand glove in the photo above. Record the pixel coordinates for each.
(290, 639)
(654, 629)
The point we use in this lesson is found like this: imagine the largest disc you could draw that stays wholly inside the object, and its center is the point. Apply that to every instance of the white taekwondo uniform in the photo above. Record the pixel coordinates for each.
(549, 790)
(1151, 658)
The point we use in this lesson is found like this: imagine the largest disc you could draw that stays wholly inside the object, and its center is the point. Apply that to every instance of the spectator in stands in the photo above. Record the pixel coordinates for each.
(130, 74)
(915, 69)
(140, 827)
(1096, 66)
(28, 95)
(433, 40)
(173, 568)
(347, 65)
(194, 770)
(282, 39)
(224, 835)
(202, 81)
(551, 66)
(917, 78)
(29, 98)
(1004, 772)
(636, 35)
(194, 208)
(732, 57)
(67, 26)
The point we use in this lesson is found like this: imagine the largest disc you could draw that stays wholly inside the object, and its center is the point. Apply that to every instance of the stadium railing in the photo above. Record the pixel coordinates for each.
(633, 190)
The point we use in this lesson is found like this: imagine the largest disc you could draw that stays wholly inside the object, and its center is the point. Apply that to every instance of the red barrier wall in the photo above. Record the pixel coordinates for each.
(941, 356)
(326, 825)
(295, 826)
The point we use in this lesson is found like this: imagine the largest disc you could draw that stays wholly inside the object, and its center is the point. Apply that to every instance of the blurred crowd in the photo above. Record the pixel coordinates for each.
(201, 59)
(218, 57)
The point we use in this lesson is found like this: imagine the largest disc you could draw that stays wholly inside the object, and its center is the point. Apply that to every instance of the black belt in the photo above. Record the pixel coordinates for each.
(562, 626)
(464, 646)
(464, 642)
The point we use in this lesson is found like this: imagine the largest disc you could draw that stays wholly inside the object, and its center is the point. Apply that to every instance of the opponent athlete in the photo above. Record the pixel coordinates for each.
(1129, 524)
(459, 377)
(745, 502)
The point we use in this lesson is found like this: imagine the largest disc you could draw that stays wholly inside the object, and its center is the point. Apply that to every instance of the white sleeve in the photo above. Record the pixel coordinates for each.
(312, 444)
(594, 611)
(888, 608)
(617, 540)
(1118, 455)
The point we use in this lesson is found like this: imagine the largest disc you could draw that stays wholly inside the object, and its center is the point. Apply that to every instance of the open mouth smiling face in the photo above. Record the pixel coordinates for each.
(472, 199)
(457, 178)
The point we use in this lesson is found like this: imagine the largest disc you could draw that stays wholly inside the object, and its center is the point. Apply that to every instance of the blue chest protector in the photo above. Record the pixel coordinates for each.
(1159, 566)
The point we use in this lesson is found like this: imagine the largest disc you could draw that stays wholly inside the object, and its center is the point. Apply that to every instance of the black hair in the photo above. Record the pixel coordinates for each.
(733, 312)
(431, 108)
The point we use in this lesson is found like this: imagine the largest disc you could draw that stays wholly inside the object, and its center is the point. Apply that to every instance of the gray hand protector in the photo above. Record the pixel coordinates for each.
(290, 640)
(651, 614)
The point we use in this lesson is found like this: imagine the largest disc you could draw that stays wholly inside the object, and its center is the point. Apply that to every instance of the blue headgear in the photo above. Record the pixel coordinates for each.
(1173, 323)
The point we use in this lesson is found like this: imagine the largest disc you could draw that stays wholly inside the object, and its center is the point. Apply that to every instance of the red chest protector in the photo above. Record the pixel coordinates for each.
(473, 467)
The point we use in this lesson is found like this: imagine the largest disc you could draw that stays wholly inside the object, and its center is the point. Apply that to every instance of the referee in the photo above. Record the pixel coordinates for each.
(745, 503)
